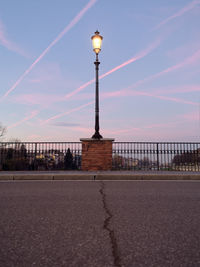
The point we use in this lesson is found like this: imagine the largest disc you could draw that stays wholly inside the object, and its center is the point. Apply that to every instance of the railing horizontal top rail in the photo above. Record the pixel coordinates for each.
(130, 142)
(78, 142)
(45, 142)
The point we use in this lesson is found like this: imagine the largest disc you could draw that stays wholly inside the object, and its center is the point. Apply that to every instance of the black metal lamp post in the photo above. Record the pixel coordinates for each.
(96, 41)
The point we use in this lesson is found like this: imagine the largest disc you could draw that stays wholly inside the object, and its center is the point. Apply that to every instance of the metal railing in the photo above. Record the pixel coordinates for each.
(151, 156)
(40, 156)
(156, 156)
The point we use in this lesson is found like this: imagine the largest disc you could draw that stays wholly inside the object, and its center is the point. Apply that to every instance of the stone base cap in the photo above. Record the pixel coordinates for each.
(92, 139)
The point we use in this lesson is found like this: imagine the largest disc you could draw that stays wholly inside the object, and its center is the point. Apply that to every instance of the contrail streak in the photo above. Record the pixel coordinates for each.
(175, 90)
(120, 94)
(66, 29)
(181, 12)
(67, 112)
(33, 114)
(79, 89)
(133, 59)
(36, 112)
(173, 99)
(137, 57)
(123, 92)
(127, 93)
(188, 61)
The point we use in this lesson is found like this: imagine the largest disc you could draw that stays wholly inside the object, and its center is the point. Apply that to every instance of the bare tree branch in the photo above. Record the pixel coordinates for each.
(2, 131)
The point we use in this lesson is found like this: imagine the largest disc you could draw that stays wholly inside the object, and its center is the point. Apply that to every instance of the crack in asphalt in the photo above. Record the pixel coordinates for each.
(106, 226)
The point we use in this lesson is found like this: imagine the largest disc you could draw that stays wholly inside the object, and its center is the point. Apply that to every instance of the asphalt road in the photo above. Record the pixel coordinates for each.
(95, 223)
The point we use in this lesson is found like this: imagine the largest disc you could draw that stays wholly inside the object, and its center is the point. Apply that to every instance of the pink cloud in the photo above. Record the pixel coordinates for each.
(173, 99)
(37, 99)
(89, 131)
(192, 116)
(84, 129)
(128, 92)
(4, 41)
(118, 93)
(155, 131)
(179, 90)
(183, 50)
(124, 93)
(33, 114)
(160, 125)
(152, 132)
(66, 29)
(39, 138)
(121, 131)
(181, 12)
(34, 137)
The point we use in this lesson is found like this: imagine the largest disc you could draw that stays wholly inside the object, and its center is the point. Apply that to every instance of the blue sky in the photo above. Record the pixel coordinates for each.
(149, 71)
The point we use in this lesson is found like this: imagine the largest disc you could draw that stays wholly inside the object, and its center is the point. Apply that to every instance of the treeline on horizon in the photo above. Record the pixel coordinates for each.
(19, 158)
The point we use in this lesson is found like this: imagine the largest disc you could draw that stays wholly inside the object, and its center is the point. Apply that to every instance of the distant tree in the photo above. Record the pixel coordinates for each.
(118, 162)
(68, 160)
(15, 157)
(188, 157)
(145, 162)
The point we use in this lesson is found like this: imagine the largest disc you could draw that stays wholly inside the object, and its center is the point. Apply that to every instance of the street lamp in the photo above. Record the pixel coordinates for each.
(96, 42)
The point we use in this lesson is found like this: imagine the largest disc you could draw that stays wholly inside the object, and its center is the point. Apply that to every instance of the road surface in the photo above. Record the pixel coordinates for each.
(100, 223)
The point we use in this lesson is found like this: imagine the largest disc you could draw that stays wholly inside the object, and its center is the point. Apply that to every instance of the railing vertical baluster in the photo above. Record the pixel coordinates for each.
(157, 152)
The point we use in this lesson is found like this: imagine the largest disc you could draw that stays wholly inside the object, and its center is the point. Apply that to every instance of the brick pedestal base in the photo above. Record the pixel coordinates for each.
(96, 154)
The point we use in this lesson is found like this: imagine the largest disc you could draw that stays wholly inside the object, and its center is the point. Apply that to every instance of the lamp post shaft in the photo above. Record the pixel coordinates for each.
(97, 134)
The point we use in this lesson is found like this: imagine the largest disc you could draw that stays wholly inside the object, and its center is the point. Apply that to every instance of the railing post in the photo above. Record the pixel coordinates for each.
(157, 151)
(35, 150)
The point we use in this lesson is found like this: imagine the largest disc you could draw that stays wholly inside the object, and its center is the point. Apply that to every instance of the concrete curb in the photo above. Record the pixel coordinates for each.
(98, 176)
(33, 177)
(148, 177)
(74, 177)
(6, 177)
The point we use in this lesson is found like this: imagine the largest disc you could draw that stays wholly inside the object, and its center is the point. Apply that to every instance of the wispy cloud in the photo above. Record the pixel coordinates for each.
(33, 114)
(125, 93)
(160, 125)
(34, 137)
(4, 41)
(65, 124)
(66, 29)
(37, 99)
(179, 13)
(39, 138)
(192, 116)
(178, 90)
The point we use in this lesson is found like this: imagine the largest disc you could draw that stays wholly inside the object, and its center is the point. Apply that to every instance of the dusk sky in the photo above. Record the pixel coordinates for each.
(149, 71)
